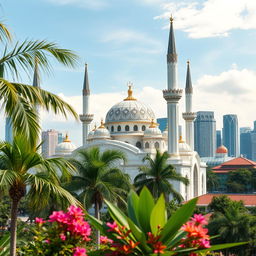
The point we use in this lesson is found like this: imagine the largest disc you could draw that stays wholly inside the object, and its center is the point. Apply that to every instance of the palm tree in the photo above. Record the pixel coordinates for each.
(18, 100)
(157, 177)
(99, 178)
(233, 225)
(22, 168)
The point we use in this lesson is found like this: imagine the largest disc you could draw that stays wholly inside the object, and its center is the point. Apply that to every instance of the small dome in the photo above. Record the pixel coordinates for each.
(153, 130)
(222, 150)
(65, 148)
(101, 132)
(183, 146)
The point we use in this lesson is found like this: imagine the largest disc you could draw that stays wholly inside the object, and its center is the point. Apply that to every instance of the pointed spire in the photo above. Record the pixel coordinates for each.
(86, 88)
(130, 92)
(36, 82)
(66, 138)
(189, 88)
(171, 53)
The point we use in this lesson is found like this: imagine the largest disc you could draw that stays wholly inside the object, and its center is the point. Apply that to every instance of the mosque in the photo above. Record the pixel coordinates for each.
(130, 126)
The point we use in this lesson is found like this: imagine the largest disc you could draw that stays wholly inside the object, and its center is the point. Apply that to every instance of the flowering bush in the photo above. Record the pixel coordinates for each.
(147, 231)
(65, 233)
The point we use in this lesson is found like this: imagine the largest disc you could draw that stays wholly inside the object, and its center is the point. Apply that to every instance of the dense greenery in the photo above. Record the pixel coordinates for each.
(99, 178)
(157, 177)
(212, 180)
(232, 222)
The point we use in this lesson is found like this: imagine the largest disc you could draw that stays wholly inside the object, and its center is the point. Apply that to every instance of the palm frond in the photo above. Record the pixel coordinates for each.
(5, 34)
(23, 56)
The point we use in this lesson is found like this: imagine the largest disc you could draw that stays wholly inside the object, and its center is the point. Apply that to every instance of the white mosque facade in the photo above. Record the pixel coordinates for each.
(130, 127)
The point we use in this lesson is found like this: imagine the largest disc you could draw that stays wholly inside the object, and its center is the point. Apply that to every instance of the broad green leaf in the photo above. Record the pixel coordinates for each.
(220, 247)
(146, 204)
(139, 236)
(133, 201)
(158, 215)
(177, 239)
(116, 214)
(96, 223)
(174, 223)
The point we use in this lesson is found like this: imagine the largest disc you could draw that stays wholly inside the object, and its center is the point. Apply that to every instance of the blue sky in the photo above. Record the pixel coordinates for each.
(126, 40)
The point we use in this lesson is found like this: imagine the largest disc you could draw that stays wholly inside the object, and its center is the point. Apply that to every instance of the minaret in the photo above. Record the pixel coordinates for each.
(189, 116)
(86, 118)
(172, 96)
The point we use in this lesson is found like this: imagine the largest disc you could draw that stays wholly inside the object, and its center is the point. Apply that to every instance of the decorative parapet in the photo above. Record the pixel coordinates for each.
(172, 95)
(189, 116)
(86, 118)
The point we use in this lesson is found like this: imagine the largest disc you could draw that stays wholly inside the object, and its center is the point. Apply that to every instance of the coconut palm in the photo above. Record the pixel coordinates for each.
(157, 177)
(18, 100)
(99, 178)
(22, 168)
(212, 180)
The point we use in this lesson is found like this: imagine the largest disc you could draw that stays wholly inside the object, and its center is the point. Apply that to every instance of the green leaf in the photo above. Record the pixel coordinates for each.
(96, 223)
(158, 215)
(133, 202)
(139, 236)
(4, 245)
(174, 223)
(177, 239)
(220, 247)
(146, 204)
(116, 214)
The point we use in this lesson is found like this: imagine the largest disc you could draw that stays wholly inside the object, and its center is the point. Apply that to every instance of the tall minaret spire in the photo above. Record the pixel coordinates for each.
(86, 118)
(172, 95)
(189, 116)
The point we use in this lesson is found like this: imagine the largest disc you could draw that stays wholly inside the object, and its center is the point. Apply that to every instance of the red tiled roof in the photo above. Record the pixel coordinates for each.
(248, 199)
(236, 163)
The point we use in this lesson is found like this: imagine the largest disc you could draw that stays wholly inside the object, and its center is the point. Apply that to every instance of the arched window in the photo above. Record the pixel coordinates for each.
(195, 182)
(138, 144)
(146, 145)
(135, 128)
(157, 145)
(112, 128)
(143, 128)
(119, 128)
(127, 128)
(186, 190)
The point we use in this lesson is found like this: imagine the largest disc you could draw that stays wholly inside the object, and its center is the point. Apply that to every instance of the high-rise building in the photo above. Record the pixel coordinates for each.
(205, 133)
(246, 142)
(50, 140)
(231, 135)
(8, 129)
(218, 138)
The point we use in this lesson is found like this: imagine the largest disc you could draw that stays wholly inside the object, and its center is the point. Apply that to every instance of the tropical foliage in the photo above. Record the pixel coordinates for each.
(23, 170)
(99, 178)
(18, 100)
(212, 180)
(147, 231)
(158, 177)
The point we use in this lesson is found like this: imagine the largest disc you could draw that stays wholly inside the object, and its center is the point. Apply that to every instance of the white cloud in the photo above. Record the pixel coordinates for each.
(90, 4)
(212, 17)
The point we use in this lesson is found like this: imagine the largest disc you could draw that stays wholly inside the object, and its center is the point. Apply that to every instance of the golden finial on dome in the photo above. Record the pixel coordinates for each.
(188, 62)
(153, 124)
(101, 124)
(171, 19)
(181, 140)
(130, 96)
(66, 138)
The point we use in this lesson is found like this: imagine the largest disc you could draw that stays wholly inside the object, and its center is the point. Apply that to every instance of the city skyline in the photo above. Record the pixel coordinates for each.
(221, 57)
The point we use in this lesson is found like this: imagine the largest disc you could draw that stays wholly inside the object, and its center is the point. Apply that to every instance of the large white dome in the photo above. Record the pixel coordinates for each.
(128, 110)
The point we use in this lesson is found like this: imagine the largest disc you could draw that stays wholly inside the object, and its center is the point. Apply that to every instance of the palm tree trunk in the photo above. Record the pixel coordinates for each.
(13, 228)
(97, 216)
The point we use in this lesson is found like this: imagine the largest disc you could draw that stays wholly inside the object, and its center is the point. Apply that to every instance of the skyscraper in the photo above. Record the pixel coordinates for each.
(205, 133)
(231, 135)
(50, 140)
(218, 138)
(246, 142)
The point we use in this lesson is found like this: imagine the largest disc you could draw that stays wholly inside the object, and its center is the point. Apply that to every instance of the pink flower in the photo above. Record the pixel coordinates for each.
(59, 216)
(39, 221)
(105, 240)
(62, 237)
(113, 226)
(199, 219)
(47, 241)
(78, 251)
(75, 211)
(204, 243)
